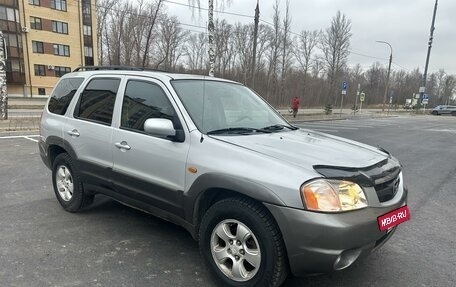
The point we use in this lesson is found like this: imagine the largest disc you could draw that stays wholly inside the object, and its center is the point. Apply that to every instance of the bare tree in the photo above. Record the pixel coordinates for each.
(120, 14)
(335, 46)
(170, 43)
(449, 88)
(255, 43)
(440, 78)
(103, 10)
(286, 49)
(156, 9)
(195, 51)
(274, 52)
(243, 45)
(305, 45)
(223, 39)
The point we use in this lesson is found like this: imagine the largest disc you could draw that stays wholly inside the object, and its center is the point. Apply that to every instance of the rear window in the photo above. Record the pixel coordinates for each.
(96, 102)
(63, 94)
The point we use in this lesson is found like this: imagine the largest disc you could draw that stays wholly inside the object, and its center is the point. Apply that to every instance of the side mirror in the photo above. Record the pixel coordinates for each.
(163, 128)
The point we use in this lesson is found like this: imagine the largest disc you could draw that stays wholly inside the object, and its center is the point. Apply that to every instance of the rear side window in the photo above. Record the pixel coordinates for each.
(97, 100)
(63, 94)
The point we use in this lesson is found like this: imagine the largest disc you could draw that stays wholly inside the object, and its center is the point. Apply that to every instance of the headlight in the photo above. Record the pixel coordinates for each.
(331, 195)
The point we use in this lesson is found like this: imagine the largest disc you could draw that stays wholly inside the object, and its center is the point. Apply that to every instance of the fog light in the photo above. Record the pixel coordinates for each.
(346, 258)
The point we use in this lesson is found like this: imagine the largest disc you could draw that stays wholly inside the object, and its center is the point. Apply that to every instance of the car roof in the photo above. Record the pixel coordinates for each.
(164, 76)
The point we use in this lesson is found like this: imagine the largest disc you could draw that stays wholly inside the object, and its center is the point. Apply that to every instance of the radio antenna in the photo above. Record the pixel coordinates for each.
(204, 111)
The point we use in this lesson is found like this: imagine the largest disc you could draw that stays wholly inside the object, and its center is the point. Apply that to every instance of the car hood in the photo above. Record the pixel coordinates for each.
(307, 148)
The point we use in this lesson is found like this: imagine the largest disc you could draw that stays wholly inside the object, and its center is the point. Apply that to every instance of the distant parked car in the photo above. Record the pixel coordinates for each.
(444, 109)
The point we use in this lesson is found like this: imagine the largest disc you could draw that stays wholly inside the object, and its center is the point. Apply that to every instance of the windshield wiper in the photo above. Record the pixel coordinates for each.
(237, 130)
(278, 127)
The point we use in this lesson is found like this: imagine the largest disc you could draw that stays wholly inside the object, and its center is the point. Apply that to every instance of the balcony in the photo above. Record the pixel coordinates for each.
(15, 77)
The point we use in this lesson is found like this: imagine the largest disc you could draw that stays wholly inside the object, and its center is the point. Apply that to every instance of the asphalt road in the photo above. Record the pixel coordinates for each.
(113, 245)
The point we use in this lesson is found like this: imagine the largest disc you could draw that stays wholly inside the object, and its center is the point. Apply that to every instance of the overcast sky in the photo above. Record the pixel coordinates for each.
(405, 24)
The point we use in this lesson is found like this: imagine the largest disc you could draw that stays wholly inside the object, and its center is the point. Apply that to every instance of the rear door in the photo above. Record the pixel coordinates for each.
(148, 168)
(88, 130)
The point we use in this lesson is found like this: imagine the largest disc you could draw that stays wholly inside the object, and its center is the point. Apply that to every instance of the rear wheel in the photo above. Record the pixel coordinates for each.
(453, 113)
(242, 245)
(67, 185)
(435, 113)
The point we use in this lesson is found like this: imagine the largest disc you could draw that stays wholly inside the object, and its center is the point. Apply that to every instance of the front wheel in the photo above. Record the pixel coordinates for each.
(242, 245)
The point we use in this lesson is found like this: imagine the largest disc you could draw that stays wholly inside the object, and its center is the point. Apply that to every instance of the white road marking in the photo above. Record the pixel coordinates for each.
(327, 127)
(325, 131)
(29, 138)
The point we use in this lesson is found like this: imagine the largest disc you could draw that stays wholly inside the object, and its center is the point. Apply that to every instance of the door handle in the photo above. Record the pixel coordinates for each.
(73, 133)
(123, 145)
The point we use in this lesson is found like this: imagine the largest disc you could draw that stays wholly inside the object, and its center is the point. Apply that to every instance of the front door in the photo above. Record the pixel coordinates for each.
(146, 167)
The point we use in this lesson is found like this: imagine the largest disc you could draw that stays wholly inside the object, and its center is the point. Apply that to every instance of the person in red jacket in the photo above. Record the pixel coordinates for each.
(295, 106)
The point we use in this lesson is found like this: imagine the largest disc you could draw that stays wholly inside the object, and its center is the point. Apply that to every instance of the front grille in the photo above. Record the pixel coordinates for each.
(387, 186)
(384, 176)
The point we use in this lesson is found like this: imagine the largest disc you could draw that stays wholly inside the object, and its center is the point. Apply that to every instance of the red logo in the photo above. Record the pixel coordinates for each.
(393, 218)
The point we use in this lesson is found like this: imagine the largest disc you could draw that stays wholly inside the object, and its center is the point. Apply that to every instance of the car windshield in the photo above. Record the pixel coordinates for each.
(218, 107)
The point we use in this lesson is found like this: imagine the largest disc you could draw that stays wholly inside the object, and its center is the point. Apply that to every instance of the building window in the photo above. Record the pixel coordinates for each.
(60, 71)
(34, 2)
(40, 70)
(60, 27)
(87, 30)
(59, 5)
(9, 14)
(38, 47)
(35, 23)
(61, 50)
(12, 40)
(86, 8)
(41, 91)
(88, 51)
(3, 14)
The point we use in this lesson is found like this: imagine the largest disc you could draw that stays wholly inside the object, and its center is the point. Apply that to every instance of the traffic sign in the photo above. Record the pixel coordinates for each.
(425, 97)
(344, 86)
(344, 92)
(422, 89)
(425, 101)
(362, 96)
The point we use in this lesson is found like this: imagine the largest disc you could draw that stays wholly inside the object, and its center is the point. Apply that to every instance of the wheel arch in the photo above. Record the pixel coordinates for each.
(213, 187)
(56, 146)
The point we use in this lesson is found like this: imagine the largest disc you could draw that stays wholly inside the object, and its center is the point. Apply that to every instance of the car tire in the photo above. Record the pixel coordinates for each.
(241, 244)
(435, 113)
(453, 114)
(68, 186)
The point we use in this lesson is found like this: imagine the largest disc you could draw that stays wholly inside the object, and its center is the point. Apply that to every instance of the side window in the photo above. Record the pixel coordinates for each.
(142, 101)
(62, 95)
(97, 100)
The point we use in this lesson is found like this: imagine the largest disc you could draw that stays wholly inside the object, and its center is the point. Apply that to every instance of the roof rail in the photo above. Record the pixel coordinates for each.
(100, 68)
(111, 68)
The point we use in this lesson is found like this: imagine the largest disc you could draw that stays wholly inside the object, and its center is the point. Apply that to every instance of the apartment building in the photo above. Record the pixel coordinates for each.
(46, 39)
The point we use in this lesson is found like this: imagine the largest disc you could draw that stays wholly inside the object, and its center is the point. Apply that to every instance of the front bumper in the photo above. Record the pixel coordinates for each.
(324, 242)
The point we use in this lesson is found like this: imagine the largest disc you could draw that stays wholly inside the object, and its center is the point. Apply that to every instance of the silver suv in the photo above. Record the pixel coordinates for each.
(261, 196)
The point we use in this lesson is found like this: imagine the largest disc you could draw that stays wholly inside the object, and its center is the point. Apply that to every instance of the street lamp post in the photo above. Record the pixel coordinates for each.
(388, 76)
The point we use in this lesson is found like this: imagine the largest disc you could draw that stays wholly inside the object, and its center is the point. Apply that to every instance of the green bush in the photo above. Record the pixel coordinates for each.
(328, 109)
